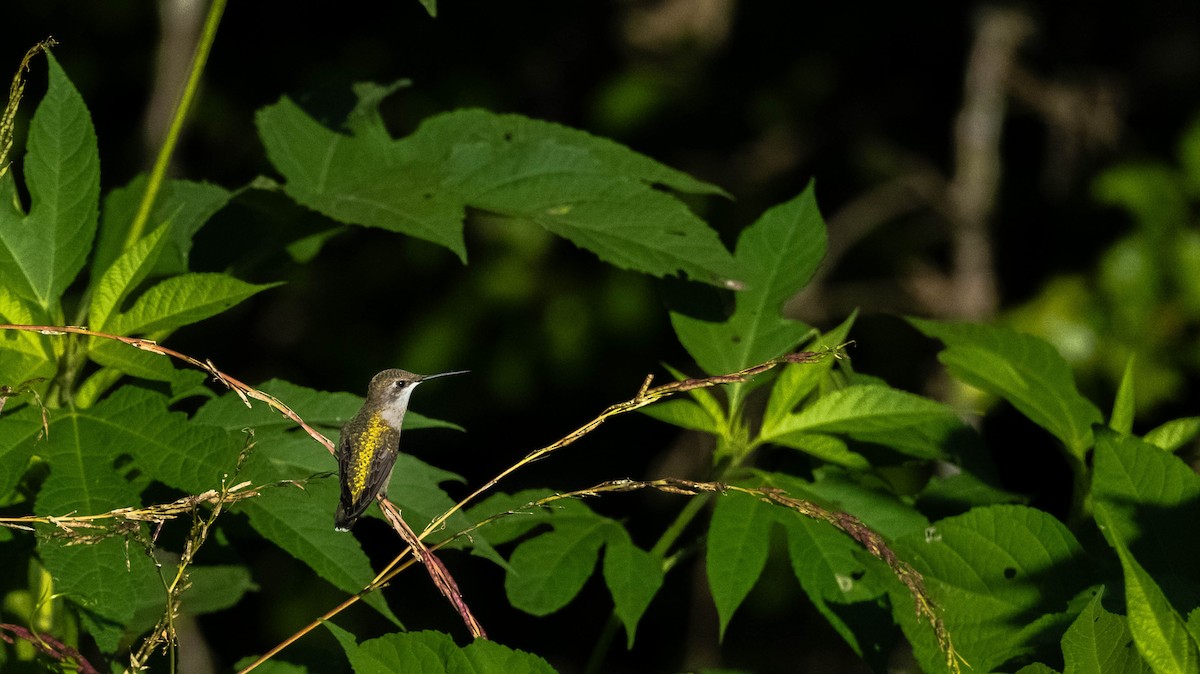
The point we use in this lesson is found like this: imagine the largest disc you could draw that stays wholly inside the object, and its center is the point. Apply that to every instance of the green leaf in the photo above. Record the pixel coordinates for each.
(24, 355)
(509, 527)
(683, 413)
(1152, 193)
(180, 210)
(1175, 433)
(1158, 630)
(111, 578)
(841, 580)
(739, 538)
(430, 6)
(1123, 408)
(415, 489)
(215, 588)
(1024, 370)
(549, 570)
(907, 422)
(1000, 575)
(209, 589)
(434, 652)
(594, 192)
(41, 253)
(18, 311)
(633, 577)
(824, 447)
(797, 380)
(18, 433)
(881, 510)
(182, 300)
(148, 365)
(1148, 497)
(706, 400)
(130, 269)
(1099, 642)
(187, 456)
(776, 256)
(300, 521)
(961, 492)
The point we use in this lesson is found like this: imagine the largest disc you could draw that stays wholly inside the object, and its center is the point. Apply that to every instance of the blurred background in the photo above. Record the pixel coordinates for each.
(1035, 164)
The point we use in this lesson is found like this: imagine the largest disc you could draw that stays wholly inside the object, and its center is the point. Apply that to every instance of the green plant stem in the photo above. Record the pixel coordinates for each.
(159, 171)
(1081, 491)
(154, 183)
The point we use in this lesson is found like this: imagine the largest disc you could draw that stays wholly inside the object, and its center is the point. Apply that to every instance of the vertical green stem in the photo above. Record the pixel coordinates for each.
(1081, 492)
(154, 184)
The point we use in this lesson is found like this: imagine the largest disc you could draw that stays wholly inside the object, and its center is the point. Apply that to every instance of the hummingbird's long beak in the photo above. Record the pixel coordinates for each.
(427, 377)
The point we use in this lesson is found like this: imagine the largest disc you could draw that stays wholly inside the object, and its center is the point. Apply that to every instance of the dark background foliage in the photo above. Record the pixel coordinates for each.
(756, 97)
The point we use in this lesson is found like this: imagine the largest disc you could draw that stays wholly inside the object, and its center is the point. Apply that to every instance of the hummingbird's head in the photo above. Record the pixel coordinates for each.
(389, 391)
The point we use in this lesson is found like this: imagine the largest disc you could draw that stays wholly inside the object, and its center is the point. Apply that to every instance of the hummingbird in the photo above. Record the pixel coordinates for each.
(370, 442)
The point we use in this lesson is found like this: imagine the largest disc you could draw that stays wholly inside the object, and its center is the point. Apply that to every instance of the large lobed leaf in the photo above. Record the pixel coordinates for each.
(600, 195)
(112, 578)
(42, 252)
(775, 257)
(19, 431)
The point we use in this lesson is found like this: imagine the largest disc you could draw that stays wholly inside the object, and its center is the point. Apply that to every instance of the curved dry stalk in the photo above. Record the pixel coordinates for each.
(157, 513)
(844, 522)
(645, 396)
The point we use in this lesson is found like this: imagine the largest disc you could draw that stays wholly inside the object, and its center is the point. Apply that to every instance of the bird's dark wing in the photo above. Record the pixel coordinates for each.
(363, 474)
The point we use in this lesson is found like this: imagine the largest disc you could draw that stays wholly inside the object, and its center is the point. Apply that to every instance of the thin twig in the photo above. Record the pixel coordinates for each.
(645, 396)
(49, 646)
(844, 522)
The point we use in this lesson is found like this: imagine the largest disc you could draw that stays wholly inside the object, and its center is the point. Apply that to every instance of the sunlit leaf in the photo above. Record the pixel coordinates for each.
(42, 252)
(434, 652)
(596, 193)
(1022, 369)
(739, 537)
